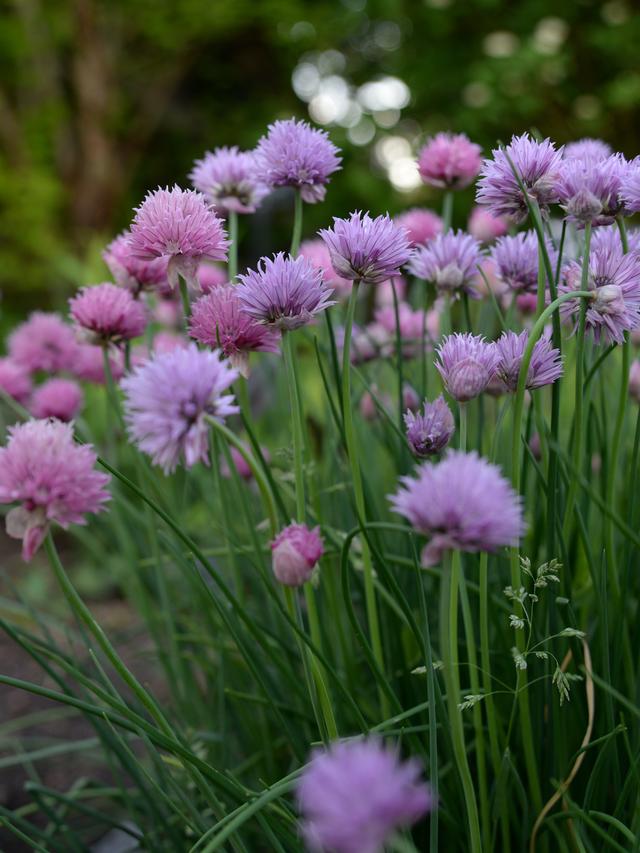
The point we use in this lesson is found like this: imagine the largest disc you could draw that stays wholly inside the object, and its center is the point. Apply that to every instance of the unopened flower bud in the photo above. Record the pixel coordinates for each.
(295, 552)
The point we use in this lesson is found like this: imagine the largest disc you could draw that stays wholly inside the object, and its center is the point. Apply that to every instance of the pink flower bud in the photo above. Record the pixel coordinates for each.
(295, 552)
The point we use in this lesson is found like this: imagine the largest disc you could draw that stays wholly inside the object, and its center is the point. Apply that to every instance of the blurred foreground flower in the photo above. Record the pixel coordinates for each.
(44, 342)
(57, 398)
(227, 178)
(449, 160)
(15, 380)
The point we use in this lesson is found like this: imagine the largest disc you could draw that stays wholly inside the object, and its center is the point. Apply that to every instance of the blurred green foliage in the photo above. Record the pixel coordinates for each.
(101, 100)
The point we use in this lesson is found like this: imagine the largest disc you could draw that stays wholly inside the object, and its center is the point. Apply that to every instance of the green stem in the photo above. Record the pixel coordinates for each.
(462, 409)
(423, 347)
(297, 224)
(352, 453)
(186, 304)
(294, 401)
(400, 372)
(447, 211)
(112, 391)
(449, 650)
(232, 265)
(579, 391)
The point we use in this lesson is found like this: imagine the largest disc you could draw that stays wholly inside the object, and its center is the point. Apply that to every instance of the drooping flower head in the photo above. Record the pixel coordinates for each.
(15, 380)
(365, 249)
(228, 180)
(589, 190)
(284, 292)
(51, 477)
(462, 503)
(316, 252)
(295, 553)
(132, 272)
(450, 261)
(181, 227)
(421, 224)
(90, 364)
(167, 400)
(516, 261)
(614, 279)
(294, 154)
(218, 321)
(484, 226)
(429, 431)
(587, 149)
(57, 398)
(107, 314)
(537, 164)
(449, 160)
(354, 795)
(545, 366)
(466, 363)
(44, 342)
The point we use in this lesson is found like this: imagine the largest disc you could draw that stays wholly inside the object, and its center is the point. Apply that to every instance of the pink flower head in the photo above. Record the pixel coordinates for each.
(51, 478)
(218, 321)
(316, 252)
(15, 380)
(383, 294)
(463, 503)
(587, 149)
(516, 261)
(450, 261)
(228, 180)
(181, 227)
(354, 795)
(421, 224)
(365, 249)
(411, 324)
(614, 279)
(430, 431)
(545, 366)
(107, 314)
(484, 226)
(294, 154)
(44, 342)
(294, 554)
(284, 292)
(537, 165)
(466, 363)
(57, 398)
(449, 160)
(167, 400)
(589, 190)
(132, 272)
(211, 276)
(89, 364)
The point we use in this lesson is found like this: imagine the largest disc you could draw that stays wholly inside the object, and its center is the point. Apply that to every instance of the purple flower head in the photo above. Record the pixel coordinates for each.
(283, 292)
(630, 192)
(295, 553)
(545, 366)
(449, 160)
(132, 272)
(516, 261)
(366, 249)
(614, 279)
(228, 180)
(634, 381)
(486, 227)
(57, 398)
(294, 154)
(589, 190)
(181, 227)
(51, 478)
(354, 795)
(316, 252)
(218, 321)
(211, 276)
(450, 261)
(167, 400)
(44, 342)
(462, 503)
(421, 224)
(89, 364)
(608, 238)
(587, 149)
(466, 363)
(15, 380)
(537, 164)
(429, 432)
(107, 314)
